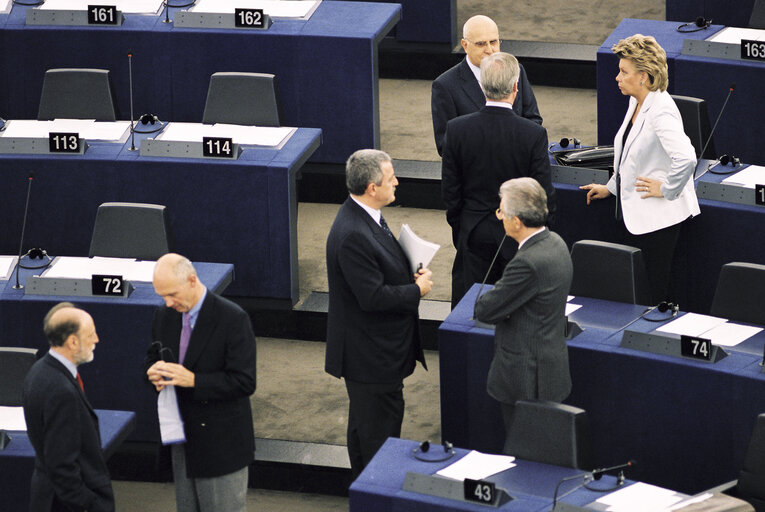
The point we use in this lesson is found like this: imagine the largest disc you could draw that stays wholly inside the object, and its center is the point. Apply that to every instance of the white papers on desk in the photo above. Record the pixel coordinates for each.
(734, 35)
(72, 267)
(749, 177)
(570, 308)
(89, 129)
(5, 6)
(274, 8)
(12, 418)
(7, 264)
(477, 466)
(419, 251)
(252, 135)
(125, 6)
(719, 330)
(640, 497)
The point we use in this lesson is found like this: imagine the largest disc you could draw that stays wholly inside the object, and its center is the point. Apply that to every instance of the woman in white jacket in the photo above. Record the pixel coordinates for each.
(653, 161)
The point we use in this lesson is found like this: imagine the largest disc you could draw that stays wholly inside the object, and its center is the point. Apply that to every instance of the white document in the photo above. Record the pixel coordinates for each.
(88, 129)
(477, 466)
(27, 129)
(640, 497)
(7, 264)
(419, 251)
(734, 35)
(12, 418)
(107, 130)
(692, 324)
(568, 299)
(125, 6)
(748, 177)
(570, 308)
(248, 135)
(274, 8)
(730, 334)
(5, 6)
(170, 421)
(75, 267)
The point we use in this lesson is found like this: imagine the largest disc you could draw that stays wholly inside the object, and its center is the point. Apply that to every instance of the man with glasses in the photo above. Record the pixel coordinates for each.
(458, 91)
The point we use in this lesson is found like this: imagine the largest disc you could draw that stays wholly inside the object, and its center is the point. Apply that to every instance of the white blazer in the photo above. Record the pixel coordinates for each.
(656, 148)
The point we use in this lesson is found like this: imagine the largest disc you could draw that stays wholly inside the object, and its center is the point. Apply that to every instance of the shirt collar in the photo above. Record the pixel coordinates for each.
(193, 313)
(475, 69)
(528, 237)
(66, 362)
(503, 104)
(375, 214)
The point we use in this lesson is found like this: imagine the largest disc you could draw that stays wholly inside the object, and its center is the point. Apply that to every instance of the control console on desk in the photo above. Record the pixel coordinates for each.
(729, 180)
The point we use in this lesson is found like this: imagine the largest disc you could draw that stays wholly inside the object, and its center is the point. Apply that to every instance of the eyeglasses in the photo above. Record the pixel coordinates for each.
(484, 44)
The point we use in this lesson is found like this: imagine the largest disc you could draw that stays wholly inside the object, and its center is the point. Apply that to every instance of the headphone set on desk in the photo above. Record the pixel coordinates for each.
(38, 2)
(699, 24)
(420, 451)
(663, 307)
(149, 120)
(36, 254)
(724, 161)
(564, 143)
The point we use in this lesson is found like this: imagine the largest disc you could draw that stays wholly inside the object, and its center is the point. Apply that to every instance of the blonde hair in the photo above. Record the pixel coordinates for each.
(646, 54)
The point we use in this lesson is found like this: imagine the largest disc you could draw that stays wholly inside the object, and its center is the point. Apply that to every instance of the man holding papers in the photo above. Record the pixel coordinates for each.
(213, 341)
(373, 337)
(527, 304)
(70, 471)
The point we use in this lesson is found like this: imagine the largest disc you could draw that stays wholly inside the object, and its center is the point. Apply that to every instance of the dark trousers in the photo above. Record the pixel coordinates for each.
(658, 249)
(508, 412)
(375, 413)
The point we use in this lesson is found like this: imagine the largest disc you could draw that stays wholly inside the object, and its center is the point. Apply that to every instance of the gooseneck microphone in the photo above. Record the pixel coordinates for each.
(132, 117)
(597, 474)
(730, 91)
(18, 285)
(491, 265)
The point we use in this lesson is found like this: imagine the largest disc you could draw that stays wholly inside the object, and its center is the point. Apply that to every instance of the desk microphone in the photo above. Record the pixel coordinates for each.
(488, 272)
(597, 474)
(586, 477)
(730, 91)
(132, 117)
(18, 285)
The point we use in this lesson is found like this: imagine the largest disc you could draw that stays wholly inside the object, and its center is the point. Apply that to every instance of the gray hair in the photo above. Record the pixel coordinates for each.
(499, 73)
(364, 167)
(526, 199)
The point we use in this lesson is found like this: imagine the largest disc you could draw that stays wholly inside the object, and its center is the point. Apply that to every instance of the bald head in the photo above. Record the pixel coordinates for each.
(176, 281)
(63, 320)
(480, 38)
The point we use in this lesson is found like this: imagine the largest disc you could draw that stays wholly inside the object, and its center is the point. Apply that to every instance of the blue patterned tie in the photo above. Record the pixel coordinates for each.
(385, 227)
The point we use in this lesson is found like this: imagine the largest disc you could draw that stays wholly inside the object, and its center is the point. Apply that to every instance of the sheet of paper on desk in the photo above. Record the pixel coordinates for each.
(125, 6)
(252, 135)
(692, 324)
(5, 6)
(640, 497)
(6, 266)
(74, 267)
(274, 8)
(418, 251)
(477, 466)
(27, 129)
(730, 334)
(734, 35)
(749, 177)
(106, 130)
(12, 418)
(570, 308)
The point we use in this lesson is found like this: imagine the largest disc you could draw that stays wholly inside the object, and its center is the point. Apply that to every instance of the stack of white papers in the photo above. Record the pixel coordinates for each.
(5, 6)
(125, 6)
(70, 267)
(719, 330)
(88, 129)
(748, 177)
(477, 466)
(640, 497)
(420, 252)
(12, 418)
(734, 35)
(274, 8)
(7, 264)
(252, 135)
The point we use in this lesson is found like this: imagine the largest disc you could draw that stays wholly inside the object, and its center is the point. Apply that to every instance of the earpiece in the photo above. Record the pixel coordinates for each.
(699, 24)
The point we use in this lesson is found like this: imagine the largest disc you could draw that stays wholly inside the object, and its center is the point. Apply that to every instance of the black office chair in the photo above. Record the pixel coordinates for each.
(551, 433)
(603, 270)
(757, 18)
(77, 94)
(14, 366)
(242, 98)
(696, 123)
(131, 230)
(740, 293)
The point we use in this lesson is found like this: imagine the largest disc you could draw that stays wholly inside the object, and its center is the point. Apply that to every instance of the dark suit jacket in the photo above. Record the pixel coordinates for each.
(216, 412)
(373, 324)
(528, 305)
(483, 150)
(456, 93)
(70, 472)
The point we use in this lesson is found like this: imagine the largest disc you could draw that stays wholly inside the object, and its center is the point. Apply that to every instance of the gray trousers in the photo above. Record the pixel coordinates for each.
(226, 493)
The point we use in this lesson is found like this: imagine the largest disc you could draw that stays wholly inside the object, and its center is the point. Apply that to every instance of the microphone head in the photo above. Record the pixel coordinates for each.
(732, 86)
(31, 175)
(130, 53)
(632, 462)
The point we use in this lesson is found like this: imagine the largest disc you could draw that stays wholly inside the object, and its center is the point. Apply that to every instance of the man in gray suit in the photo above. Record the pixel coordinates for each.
(528, 305)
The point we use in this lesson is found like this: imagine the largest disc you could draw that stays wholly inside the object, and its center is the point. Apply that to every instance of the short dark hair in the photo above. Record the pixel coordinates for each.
(364, 167)
(58, 332)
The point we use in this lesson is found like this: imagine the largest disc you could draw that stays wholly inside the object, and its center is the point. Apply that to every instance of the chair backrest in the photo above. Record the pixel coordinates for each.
(740, 293)
(14, 365)
(550, 432)
(131, 230)
(242, 98)
(751, 479)
(696, 123)
(757, 19)
(72, 93)
(603, 270)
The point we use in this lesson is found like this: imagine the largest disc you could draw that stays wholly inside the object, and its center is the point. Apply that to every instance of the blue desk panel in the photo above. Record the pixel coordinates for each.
(242, 211)
(18, 459)
(379, 488)
(686, 422)
(326, 67)
(114, 379)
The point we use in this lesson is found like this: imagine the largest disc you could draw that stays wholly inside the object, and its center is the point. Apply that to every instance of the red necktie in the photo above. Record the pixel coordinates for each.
(185, 337)
(79, 381)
